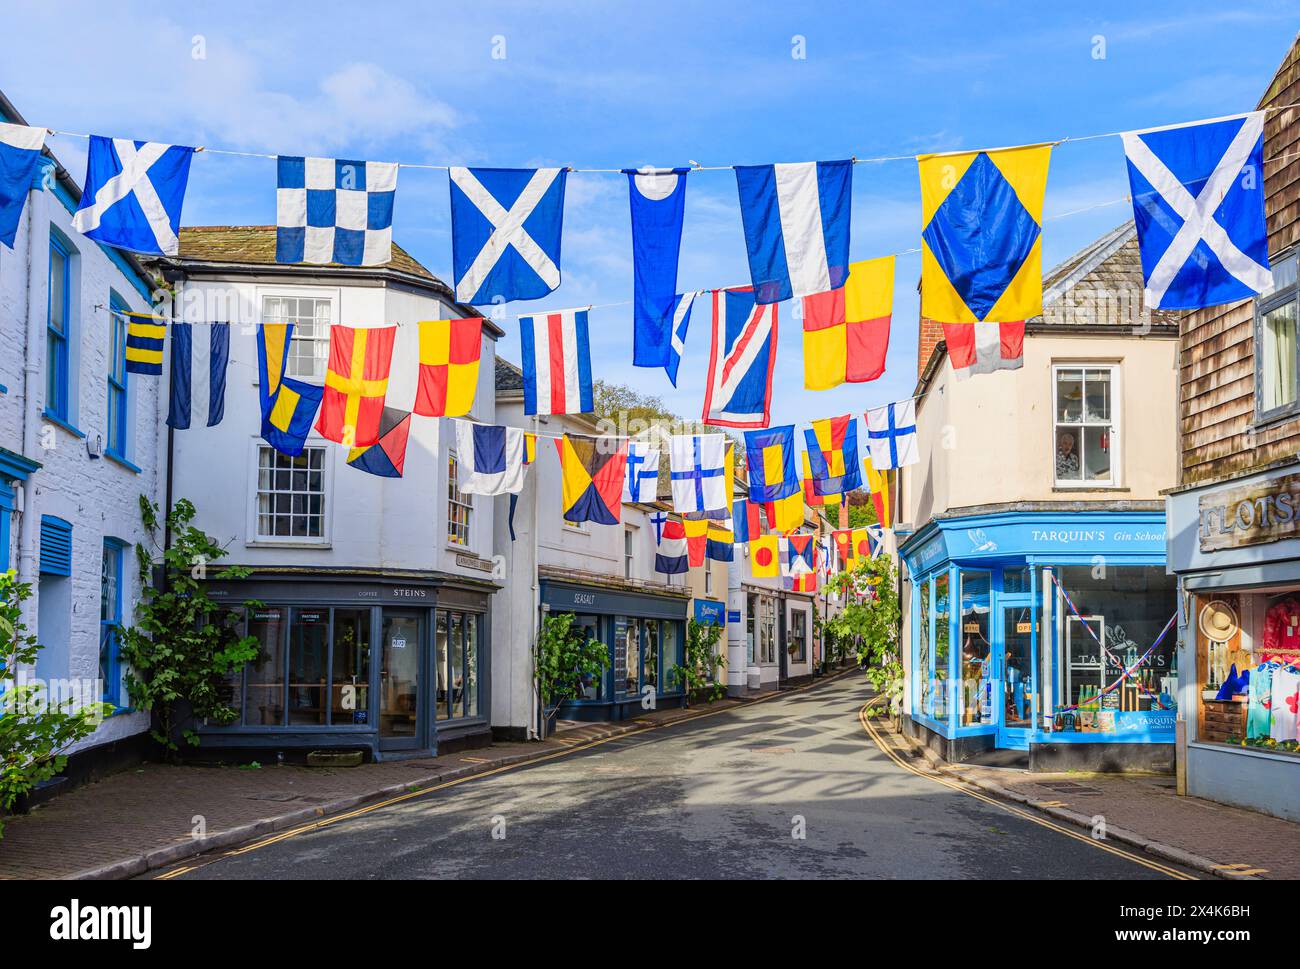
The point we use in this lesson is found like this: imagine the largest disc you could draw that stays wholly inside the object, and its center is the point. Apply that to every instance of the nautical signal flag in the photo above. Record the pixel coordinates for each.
(891, 435)
(449, 357)
(770, 457)
(670, 553)
(862, 546)
(765, 556)
(846, 330)
(748, 524)
(976, 348)
(490, 459)
(878, 482)
(133, 194)
(556, 363)
(658, 199)
(720, 546)
(843, 538)
(802, 556)
(981, 245)
(810, 496)
(786, 514)
(796, 220)
(387, 456)
(145, 335)
(530, 447)
(592, 471)
(738, 392)
(642, 481)
(697, 531)
(198, 375)
(288, 406)
(20, 152)
(833, 455)
(356, 382)
(699, 466)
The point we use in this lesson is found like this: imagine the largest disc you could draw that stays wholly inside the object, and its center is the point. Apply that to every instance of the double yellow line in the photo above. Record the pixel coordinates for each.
(892, 754)
(540, 759)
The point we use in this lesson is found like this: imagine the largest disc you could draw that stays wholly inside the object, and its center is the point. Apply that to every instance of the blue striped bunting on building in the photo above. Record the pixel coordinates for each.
(144, 343)
(198, 375)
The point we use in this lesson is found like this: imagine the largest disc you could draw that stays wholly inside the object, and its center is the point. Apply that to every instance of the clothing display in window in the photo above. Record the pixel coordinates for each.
(1258, 708)
(1285, 699)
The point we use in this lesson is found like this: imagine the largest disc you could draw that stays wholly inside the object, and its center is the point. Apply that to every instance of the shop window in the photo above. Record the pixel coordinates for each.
(309, 346)
(922, 669)
(671, 647)
(456, 657)
(350, 667)
(1016, 582)
(587, 627)
(460, 506)
(308, 665)
(1107, 662)
(1276, 390)
(751, 625)
(264, 693)
(110, 621)
(117, 378)
(942, 638)
(290, 494)
(1086, 428)
(627, 654)
(798, 636)
(976, 663)
(767, 644)
(650, 655)
(58, 331)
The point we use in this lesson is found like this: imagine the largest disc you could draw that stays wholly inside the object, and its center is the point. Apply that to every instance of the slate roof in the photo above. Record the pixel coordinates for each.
(255, 244)
(509, 378)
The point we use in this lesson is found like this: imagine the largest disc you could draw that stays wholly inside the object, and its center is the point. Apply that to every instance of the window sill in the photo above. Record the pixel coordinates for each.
(289, 543)
(121, 460)
(60, 422)
(1067, 489)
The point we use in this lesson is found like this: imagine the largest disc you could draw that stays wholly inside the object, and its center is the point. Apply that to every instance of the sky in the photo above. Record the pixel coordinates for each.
(608, 85)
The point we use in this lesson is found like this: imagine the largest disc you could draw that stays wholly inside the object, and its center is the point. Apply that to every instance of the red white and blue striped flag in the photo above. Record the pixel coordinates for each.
(557, 362)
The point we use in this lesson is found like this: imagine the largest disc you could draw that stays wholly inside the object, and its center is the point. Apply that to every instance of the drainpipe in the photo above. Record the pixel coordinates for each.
(736, 661)
(37, 242)
(536, 718)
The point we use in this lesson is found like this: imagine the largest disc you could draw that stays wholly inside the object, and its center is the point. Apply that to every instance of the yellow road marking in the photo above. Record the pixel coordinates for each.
(543, 758)
(889, 752)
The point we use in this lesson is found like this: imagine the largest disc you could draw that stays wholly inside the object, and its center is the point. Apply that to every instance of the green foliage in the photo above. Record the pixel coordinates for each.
(564, 657)
(868, 623)
(35, 728)
(862, 510)
(184, 646)
(702, 664)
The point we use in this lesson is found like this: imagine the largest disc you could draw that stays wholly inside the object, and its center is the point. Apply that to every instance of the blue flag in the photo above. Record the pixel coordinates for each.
(658, 199)
(680, 320)
(796, 221)
(505, 232)
(1198, 201)
(133, 196)
(288, 406)
(198, 375)
(20, 150)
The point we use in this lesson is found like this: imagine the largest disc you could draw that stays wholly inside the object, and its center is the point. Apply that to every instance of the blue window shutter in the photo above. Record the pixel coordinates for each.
(56, 546)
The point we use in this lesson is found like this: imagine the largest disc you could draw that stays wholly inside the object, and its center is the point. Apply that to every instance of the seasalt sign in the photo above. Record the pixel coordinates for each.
(1250, 514)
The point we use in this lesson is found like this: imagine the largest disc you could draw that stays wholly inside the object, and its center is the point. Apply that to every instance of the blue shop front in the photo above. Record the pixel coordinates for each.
(644, 630)
(1044, 639)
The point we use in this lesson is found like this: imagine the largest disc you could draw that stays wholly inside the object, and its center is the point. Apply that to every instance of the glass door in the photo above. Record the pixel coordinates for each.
(1015, 688)
(401, 660)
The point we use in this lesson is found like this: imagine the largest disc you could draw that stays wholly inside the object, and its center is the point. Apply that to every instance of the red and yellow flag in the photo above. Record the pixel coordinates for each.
(810, 495)
(785, 514)
(846, 331)
(765, 556)
(878, 482)
(449, 357)
(355, 384)
(697, 530)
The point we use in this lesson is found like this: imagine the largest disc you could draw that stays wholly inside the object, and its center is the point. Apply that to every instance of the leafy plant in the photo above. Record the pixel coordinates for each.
(35, 728)
(564, 658)
(702, 662)
(869, 623)
(184, 646)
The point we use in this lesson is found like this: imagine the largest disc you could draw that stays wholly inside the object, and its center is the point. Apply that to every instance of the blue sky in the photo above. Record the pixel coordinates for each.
(616, 85)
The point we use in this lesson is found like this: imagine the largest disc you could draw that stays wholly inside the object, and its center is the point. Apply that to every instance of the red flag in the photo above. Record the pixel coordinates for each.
(355, 384)
(976, 348)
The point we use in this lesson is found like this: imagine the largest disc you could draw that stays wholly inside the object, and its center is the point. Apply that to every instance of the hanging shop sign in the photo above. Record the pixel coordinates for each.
(1251, 514)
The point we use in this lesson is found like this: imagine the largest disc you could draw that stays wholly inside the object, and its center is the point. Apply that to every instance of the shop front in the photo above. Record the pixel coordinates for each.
(763, 616)
(645, 633)
(1043, 639)
(390, 667)
(1235, 548)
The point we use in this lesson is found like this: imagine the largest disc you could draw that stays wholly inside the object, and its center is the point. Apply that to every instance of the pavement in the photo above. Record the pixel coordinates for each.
(792, 787)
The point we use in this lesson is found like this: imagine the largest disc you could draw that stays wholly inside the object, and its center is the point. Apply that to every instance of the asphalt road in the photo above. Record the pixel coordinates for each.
(789, 788)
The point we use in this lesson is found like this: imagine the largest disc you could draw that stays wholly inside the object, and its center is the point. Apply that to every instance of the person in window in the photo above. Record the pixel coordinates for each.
(1067, 455)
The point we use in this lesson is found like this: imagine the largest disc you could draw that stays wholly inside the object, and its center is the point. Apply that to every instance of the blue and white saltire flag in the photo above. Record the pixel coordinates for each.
(681, 319)
(489, 459)
(1198, 201)
(891, 435)
(331, 210)
(198, 375)
(658, 197)
(20, 150)
(698, 470)
(133, 195)
(738, 392)
(505, 232)
(556, 362)
(640, 484)
(796, 220)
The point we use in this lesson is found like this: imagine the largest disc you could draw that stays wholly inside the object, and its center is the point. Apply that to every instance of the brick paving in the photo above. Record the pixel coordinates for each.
(143, 818)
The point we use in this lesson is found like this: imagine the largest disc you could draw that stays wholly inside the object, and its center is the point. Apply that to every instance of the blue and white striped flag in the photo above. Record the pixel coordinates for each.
(198, 375)
(796, 220)
(20, 150)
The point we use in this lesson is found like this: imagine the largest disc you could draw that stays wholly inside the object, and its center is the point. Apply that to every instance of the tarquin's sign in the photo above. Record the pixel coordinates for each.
(1266, 511)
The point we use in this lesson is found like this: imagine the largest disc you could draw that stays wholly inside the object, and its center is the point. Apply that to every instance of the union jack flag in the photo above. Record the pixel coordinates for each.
(739, 389)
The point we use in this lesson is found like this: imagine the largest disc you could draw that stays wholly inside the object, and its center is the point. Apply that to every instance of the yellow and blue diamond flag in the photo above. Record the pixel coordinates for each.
(981, 246)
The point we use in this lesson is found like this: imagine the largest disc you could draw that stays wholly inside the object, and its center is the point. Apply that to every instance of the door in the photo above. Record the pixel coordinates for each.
(401, 717)
(1014, 684)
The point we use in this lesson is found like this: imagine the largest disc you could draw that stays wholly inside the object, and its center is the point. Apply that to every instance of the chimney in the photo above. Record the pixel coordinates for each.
(931, 333)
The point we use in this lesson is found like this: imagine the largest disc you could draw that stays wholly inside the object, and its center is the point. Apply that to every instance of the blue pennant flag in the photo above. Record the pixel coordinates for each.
(133, 196)
(1198, 201)
(796, 221)
(505, 232)
(680, 320)
(20, 150)
(198, 375)
(658, 198)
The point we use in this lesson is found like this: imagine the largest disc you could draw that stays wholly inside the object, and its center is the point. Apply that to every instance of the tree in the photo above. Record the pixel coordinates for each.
(565, 660)
(184, 646)
(869, 622)
(702, 662)
(35, 726)
(862, 510)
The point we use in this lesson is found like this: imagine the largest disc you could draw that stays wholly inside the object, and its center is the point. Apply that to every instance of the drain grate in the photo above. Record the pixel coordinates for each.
(1069, 787)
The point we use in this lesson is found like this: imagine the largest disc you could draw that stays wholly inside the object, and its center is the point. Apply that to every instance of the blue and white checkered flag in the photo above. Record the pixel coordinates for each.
(329, 210)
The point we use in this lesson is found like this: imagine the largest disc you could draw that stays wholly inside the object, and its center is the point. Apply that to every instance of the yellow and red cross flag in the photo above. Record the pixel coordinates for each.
(356, 382)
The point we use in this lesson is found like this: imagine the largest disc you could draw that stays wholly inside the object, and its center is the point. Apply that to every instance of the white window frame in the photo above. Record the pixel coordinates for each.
(330, 295)
(254, 539)
(457, 500)
(629, 551)
(708, 579)
(1116, 437)
(1283, 293)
